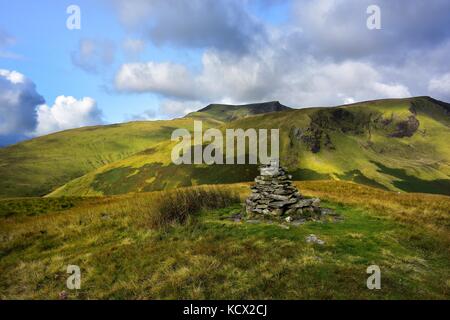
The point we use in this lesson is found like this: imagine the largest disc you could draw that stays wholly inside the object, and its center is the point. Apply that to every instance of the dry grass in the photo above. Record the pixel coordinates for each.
(123, 254)
(148, 210)
(178, 205)
(429, 211)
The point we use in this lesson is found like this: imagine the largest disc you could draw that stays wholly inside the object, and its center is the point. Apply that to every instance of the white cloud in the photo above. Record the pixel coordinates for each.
(273, 73)
(133, 47)
(167, 109)
(174, 108)
(18, 101)
(143, 116)
(223, 25)
(67, 113)
(349, 100)
(323, 54)
(92, 55)
(24, 114)
(7, 40)
(440, 86)
(338, 28)
(10, 55)
(164, 78)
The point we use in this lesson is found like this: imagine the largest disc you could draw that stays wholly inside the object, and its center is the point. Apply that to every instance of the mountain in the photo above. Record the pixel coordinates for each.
(38, 166)
(394, 144)
(227, 112)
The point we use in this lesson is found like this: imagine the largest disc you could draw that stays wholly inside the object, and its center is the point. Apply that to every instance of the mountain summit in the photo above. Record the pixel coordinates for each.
(228, 112)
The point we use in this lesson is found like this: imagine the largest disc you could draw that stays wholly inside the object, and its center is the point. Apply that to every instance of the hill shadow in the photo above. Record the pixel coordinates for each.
(413, 184)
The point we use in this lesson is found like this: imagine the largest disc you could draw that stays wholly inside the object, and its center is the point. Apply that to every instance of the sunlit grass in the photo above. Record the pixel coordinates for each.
(123, 254)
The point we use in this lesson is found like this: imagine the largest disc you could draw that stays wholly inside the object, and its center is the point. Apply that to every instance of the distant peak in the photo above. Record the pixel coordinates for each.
(229, 112)
(263, 107)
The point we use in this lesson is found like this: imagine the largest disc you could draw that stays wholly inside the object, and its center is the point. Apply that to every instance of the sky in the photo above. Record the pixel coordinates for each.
(160, 59)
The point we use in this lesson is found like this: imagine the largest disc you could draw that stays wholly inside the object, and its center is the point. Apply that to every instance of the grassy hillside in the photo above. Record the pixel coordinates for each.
(396, 144)
(37, 166)
(122, 255)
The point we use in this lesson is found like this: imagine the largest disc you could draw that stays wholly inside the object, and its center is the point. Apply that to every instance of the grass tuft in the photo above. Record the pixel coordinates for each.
(178, 205)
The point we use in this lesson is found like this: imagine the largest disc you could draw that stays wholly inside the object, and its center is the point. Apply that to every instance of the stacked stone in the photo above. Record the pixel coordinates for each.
(273, 195)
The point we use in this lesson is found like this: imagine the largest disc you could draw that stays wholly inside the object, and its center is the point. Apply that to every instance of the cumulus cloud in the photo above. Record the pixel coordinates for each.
(338, 28)
(223, 25)
(18, 101)
(92, 55)
(168, 109)
(7, 40)
(67, 113)
(143, 116)
(24, 114)
(440, 86)
(265, 76)
(164, 78)
(174, 108)
(133, 47)
(323, 55)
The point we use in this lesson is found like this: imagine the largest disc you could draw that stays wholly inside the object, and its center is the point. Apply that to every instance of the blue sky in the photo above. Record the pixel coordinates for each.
(46, 45)
(156, 59)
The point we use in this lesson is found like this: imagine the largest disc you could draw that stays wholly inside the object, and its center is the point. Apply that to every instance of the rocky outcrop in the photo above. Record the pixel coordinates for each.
(406, 128)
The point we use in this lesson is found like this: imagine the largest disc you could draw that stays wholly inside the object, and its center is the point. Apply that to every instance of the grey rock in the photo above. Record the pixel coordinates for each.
(279, 197)
(298, 222)
(276, 212)
(312, 238)
(327, 212)
(303, 203)
(278, 204)
(315, 203)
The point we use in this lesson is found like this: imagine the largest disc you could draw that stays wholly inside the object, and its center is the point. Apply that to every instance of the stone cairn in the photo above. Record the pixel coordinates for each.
(274, 197)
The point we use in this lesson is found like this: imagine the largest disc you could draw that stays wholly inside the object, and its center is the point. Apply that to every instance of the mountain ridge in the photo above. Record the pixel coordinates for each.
(229, 112)
(269, 106)
(395, 144)
(367, 143)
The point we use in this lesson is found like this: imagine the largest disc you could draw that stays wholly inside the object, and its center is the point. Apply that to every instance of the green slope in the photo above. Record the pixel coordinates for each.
(395, 144)
(38, 166)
